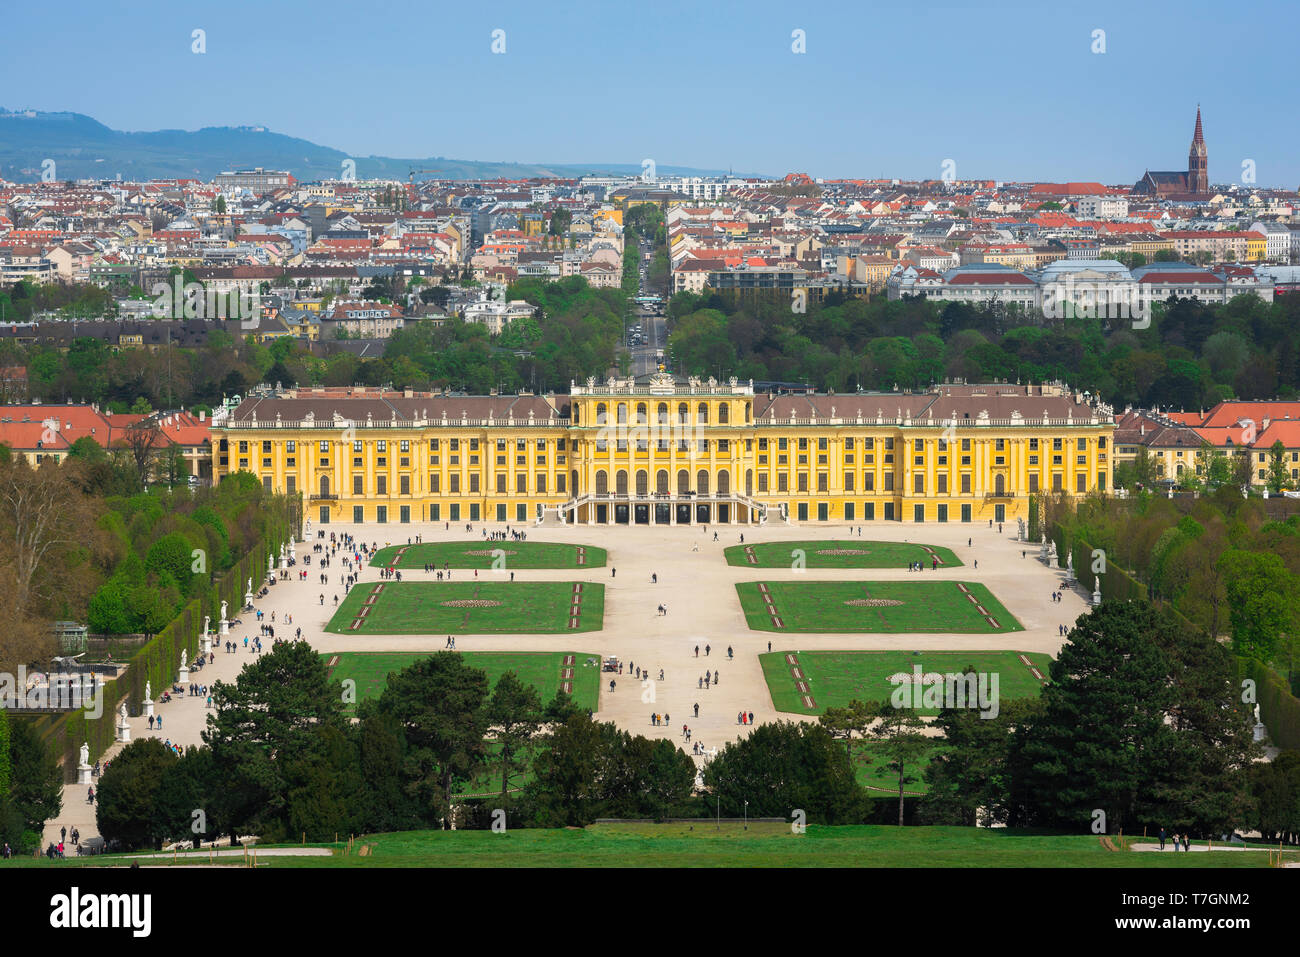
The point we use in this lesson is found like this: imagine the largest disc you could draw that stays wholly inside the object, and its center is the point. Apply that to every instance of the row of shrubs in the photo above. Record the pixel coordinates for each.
(158, 660)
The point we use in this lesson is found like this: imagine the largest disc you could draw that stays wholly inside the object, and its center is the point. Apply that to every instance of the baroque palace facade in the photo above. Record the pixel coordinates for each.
(670, 451)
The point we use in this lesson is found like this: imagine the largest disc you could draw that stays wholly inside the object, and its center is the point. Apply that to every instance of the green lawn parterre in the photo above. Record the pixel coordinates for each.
(834, 678)
(541, 669)
(815, 554)
(925, 606)
(517, 555)
(417, 608)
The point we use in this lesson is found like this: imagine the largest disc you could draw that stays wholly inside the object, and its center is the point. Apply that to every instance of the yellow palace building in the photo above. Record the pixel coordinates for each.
(662, 450)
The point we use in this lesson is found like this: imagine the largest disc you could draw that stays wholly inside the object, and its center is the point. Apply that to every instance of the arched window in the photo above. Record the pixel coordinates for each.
(724, 416)
(702, 482)
(575, 413)
(601, 414)
(324, 485)
(573, 484)
(622, 413)
(683, 481)
(620, 482)
(641, 414)
(642, 482)
(724, 483)
(661, 481)
(602, 482)
(683, 413)
(747, 413)
(702, 414)
(999, 485)
(663, 413)
(749, 481)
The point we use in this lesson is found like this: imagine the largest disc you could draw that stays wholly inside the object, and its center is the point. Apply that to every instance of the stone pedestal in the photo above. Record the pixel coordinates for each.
(148, 709)
(83, 774)
(123, 732)
(225, 628)
(1096, 594)
(205, 644)
(184, 677)
(1261, 732)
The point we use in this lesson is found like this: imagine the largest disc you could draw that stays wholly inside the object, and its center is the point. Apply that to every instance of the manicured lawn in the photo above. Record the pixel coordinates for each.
(913, 607)
(480, 555)
(820, 554)
(420, 608)
(834, 678)
(700, 844)
(541, 669)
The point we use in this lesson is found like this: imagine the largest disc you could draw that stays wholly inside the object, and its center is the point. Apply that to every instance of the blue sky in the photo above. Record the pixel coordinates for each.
(1005, 90)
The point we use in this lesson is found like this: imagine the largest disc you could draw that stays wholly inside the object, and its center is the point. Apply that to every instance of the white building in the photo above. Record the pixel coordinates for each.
(1278, 238)
(497, 315)
(1102, 207)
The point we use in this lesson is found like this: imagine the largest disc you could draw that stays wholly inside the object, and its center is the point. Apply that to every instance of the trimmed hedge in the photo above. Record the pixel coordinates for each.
(1278, 708)
(4, 752)
(158, 661)
(1116, 583)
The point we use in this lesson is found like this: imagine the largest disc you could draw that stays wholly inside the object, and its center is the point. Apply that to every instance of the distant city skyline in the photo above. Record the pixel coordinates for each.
(1010, 93)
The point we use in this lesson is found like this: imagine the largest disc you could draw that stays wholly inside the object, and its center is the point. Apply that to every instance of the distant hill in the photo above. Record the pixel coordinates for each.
(82, 148)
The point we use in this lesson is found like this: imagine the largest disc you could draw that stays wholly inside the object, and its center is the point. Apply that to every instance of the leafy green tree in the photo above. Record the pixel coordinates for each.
(1263, 601)
(901, 746)
(274, 713)
(187, 786)
(1279, 477)
(381, 750)
(569, 776)
(1138, 722)
(125, 802)
(35, 787)
(514, 714)
(852, 721)
(591, 769)
(968, 780)
(326, 790)
(439, 702)
(170, 556)
(1275, 789)
(782, 767)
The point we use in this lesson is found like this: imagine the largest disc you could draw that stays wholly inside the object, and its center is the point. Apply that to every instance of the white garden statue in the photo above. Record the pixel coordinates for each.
(85, 754)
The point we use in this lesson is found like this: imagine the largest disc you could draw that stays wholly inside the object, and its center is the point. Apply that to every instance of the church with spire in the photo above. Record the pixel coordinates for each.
(1193, 184)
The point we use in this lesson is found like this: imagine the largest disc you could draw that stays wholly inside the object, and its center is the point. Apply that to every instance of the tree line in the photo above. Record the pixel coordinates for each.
(1191, 356)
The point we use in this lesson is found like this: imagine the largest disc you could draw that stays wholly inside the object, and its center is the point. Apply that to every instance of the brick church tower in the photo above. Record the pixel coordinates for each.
(1198, 179)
